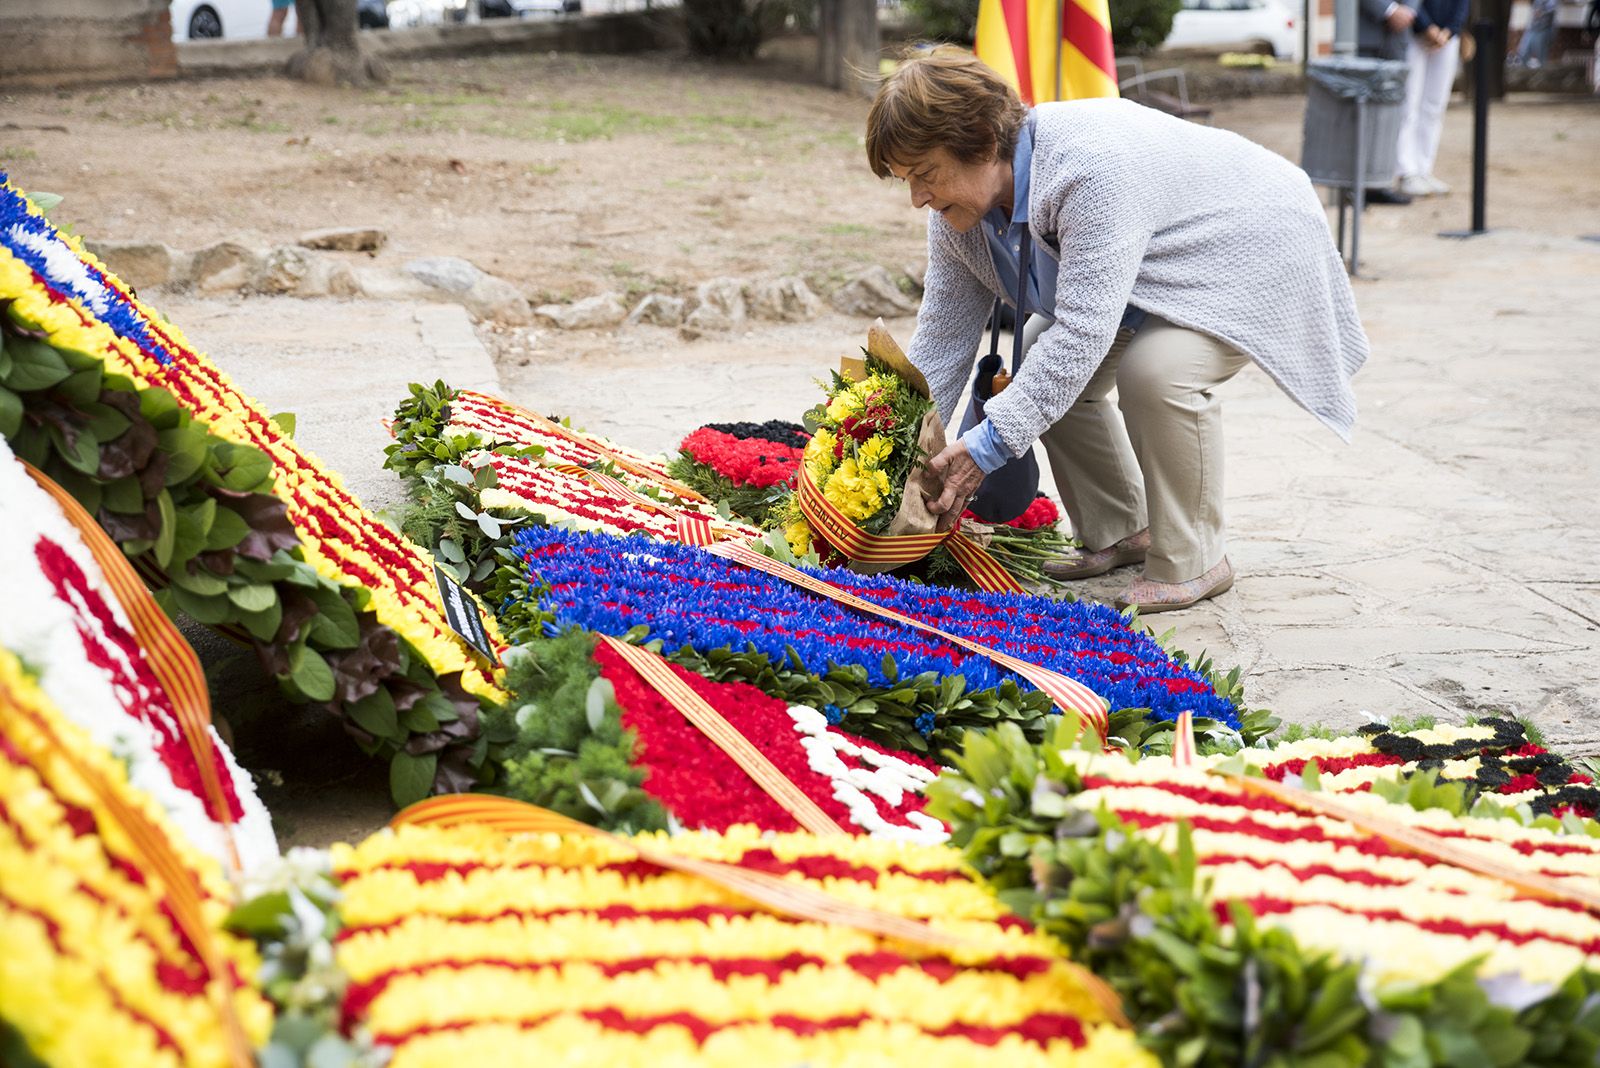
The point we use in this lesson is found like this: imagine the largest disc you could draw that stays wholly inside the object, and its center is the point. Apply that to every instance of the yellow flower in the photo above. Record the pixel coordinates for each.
(845, 404)
(858, 494)
(819, 455)
(85, 939)
(884, 384)
(509, 957)
(798, 533)
(874, 452)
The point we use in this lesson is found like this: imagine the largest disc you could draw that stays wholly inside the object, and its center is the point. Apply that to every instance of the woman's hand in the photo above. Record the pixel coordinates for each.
(957, 477)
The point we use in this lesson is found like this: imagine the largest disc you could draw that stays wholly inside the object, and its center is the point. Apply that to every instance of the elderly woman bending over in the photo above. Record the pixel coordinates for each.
(1159, 257)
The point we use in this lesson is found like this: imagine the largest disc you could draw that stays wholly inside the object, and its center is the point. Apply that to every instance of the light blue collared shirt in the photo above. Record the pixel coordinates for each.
(1004, 237)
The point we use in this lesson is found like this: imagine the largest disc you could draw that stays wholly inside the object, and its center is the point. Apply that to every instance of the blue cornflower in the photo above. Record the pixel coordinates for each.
(685, 597)
(834, 714)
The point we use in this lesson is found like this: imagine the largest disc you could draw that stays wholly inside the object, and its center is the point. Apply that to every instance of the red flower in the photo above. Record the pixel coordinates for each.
(701, 784)
(751, 462)
(1041, 513)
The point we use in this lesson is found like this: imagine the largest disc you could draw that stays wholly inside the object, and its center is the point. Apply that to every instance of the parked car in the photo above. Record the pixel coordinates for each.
(404, 14)
(527, 9)
(1236, 26)
(532, 9)
(196, 20)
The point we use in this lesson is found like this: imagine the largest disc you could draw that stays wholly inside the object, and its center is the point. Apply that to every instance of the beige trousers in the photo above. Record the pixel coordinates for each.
(1155, 457)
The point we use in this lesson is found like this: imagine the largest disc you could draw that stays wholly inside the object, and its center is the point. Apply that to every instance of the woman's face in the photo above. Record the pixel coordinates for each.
(962, 192)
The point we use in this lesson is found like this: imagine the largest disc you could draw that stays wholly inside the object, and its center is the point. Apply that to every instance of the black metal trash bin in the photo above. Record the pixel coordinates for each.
(1352, 131)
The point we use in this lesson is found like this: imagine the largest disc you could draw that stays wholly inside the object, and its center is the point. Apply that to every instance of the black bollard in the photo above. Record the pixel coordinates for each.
(1485, 32)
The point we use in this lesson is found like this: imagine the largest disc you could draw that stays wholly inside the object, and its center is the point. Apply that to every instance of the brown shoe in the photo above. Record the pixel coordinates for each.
(1130, 550)
(1150, 596)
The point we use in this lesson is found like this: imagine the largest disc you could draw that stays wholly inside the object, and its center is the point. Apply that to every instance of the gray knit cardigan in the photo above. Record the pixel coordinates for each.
(1197, 225)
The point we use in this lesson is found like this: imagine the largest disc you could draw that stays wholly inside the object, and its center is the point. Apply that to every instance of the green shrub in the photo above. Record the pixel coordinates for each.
(946, 20)
(729, 29)
(1139, 26)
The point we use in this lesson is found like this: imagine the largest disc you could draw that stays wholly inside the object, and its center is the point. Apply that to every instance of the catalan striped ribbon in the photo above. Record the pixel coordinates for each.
(1069, 695)
(550, 426)
(1417, 840)
(156, 858)
(1184, 753)
(692, 528)
(681, 696)
(171, 658)
(893, 550)
(781, 895)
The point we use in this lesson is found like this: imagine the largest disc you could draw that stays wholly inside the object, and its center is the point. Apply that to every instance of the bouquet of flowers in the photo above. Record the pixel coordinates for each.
(861, 491)
(867, 437)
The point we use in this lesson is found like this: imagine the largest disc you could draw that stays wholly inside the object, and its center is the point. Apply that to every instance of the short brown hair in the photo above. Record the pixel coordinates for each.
(949, 99)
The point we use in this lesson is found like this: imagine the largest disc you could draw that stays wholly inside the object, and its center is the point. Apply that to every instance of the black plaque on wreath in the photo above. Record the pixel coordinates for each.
(464, 614)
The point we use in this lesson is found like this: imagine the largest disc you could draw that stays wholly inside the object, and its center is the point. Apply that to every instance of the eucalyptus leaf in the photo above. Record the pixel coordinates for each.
(310, 674)
(10, 413)
(263, 625)
(228, 529)
(250, 471)
(210, 610)
(253, 598)
(35, 365)
(595, 703)
(591, 800)
(44, 202)
(376, 714)
(199, 581)
(169, 528)
(411, 777)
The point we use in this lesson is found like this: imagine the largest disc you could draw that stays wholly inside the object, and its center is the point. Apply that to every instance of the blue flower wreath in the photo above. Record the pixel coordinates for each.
(684, 596)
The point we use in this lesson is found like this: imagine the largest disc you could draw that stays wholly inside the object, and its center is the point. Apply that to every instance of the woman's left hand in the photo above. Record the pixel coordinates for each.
(957, 476)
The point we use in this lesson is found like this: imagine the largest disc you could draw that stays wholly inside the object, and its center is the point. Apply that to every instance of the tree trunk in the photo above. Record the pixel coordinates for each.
(847, 45)
(332, 54)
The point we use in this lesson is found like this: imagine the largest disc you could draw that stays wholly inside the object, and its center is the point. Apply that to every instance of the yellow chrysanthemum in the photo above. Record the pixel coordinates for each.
(874, 452)
(798, 533)
(857, 493)
(845, 404)
(819, 457)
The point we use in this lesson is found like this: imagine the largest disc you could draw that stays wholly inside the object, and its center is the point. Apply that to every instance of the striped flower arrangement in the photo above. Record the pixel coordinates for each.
(97, 967)
(1412, 918)
(467, 944)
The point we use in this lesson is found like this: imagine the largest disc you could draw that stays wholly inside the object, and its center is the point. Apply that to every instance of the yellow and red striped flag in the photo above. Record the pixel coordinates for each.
(1021, 39)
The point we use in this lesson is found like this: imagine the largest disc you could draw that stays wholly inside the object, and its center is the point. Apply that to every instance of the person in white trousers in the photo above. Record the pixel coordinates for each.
(1431, 53)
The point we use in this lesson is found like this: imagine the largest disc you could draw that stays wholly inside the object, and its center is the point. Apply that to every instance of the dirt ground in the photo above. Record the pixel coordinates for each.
(572, 175)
